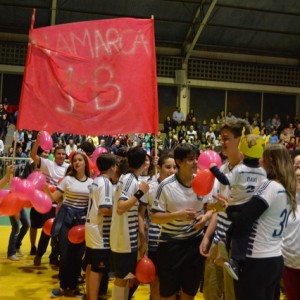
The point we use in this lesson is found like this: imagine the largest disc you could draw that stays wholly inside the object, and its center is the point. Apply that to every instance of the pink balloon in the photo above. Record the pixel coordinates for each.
(97, 152)
(15, 182)
(25, 188)
(46, 141)
(38, 179)
(208, 157)
(41, 202)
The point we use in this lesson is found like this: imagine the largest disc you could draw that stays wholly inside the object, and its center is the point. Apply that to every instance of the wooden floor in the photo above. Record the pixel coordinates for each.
(21, 280)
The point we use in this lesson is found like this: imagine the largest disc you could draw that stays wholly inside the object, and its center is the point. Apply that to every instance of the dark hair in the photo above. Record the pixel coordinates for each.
(72, 172)
(236, 127)
(105, 161)
(122, 152)
(182, 151)
(163, 158)
(40, 150)
(59, 148)
(87, 147)
(151, 169)
(136, 157)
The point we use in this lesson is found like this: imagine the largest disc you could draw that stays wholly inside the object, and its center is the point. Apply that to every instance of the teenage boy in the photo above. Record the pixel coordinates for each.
(181, 213)
(97, 226)
(124, 225)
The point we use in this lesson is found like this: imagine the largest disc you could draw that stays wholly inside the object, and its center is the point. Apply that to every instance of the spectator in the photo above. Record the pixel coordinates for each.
(169, 142)
(177, 117)
(168, 125)
(71, 147)
(276, 122)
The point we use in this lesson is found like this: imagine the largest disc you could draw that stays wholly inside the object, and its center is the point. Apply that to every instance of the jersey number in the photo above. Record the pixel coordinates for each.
(284, 219)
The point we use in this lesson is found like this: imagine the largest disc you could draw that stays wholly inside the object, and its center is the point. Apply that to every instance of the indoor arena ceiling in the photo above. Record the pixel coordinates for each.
(249, 27)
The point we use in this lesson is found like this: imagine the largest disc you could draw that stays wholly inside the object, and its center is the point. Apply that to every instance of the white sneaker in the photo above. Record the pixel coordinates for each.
(13, 258)
(20, 252)
(232, 269)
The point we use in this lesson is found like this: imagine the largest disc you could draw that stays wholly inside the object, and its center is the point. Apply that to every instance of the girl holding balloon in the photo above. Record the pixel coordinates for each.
(74, 188)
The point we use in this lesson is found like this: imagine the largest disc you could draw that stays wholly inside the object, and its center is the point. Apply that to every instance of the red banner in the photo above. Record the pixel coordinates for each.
(91, 78)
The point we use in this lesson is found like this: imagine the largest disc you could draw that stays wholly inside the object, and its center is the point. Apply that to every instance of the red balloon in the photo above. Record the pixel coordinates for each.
(203, 182)
(145, 270)
(48, 226)
(207, 158)
(71, 155)
(11, 204)
(52, 188)
(76, 234)
(93, 168)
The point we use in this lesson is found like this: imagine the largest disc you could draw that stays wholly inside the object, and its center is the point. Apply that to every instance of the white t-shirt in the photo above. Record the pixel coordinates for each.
(124, 228)
(52, 170)
(266, 236)
(97, 226)
(291, 239)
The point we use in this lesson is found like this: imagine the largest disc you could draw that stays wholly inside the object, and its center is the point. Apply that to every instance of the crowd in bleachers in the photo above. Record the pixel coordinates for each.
(205, 134)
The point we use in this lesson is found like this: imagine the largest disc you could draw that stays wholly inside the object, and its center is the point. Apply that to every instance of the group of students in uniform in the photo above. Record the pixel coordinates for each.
(187, 235)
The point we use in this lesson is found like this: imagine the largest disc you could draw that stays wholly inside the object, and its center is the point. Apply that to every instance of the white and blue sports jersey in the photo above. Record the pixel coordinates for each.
(75, 192)
(172, 196)
(124, 228)
(244, 182)
(291, 239)
(267, 231)
(154, 229)
(223, 222)
(97, 226)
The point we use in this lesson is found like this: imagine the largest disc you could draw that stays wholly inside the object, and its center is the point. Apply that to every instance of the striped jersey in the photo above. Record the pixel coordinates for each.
(75, 192)
(291, 239)
(97, 226)
(267, 230)
(223, 222)
(154, 229)
(172, 196)
(124, 228)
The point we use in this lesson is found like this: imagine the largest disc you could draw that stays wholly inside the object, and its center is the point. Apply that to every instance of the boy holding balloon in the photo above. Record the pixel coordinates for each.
(217, 282)
(180, 211)
(54, 171)
(244, 180)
